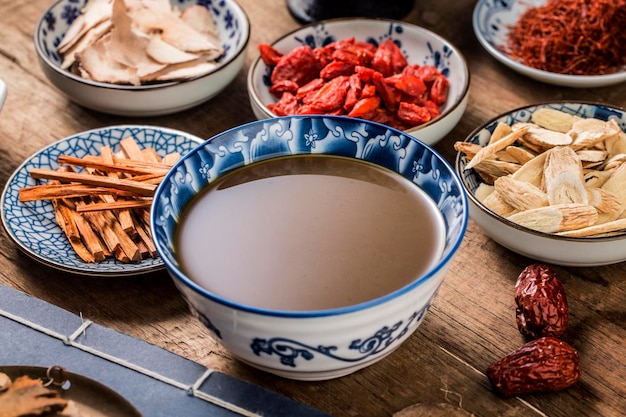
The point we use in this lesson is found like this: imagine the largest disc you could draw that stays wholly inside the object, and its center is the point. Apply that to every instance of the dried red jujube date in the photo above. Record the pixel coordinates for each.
(544, 364)
(541, 303)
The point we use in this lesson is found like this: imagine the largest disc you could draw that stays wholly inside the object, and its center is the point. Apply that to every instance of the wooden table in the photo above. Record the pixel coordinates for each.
(472, 321)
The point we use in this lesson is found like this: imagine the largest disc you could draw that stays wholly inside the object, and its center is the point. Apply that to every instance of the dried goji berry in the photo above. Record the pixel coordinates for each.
(299, 66)
(388, 59)
(309, 87)
(365, 108)
(413, 114)
(354, 93)
(269, 55)
(335, 69)
(332, 95)
(439, 89)
(390, 96)
(283, 86)
(287, 105)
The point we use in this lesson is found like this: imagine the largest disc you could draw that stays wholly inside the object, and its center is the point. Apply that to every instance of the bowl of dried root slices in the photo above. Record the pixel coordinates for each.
(141, 57)
(548, 181)
(82, 204)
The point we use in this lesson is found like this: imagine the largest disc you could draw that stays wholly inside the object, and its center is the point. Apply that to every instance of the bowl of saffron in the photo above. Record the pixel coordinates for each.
(571, 43)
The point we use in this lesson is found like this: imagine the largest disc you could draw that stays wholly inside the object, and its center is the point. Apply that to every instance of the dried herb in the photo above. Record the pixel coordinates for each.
(576, 37)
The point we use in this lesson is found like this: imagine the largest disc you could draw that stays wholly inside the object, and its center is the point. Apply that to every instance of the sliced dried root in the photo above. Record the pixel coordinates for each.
(558, 173)
(140, 41)
(556, 218)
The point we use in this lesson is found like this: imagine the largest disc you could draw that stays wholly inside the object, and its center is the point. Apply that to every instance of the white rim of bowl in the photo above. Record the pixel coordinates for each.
(255, 95)
(443, 262)
(472, 197)
(123, 87)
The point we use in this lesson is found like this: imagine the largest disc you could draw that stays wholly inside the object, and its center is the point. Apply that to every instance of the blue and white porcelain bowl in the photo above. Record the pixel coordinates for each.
(540, 246)
(419, 45)
(326, 343)
(144, 100)
(492, 20)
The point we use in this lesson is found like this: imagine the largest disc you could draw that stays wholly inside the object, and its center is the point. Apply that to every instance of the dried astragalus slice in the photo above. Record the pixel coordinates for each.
(556, 218)
(520, 195)
(590, 132)
(540, 138)
(521, 154)
(496, 203)
(494, 147)
(563, 177)
(579, 163)
(605, 229)
(553, 119)
(501, 131)
(532, 171)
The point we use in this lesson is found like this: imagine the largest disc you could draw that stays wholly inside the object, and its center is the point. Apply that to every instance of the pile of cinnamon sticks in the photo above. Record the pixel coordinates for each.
(102, 202)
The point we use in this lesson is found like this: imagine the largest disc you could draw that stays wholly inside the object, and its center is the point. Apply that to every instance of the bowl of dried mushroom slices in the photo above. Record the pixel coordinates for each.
(548, 181)
(141, 57)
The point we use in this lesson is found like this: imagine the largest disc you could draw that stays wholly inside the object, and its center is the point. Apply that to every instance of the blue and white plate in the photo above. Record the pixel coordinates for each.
(33, 226)
(492, 20)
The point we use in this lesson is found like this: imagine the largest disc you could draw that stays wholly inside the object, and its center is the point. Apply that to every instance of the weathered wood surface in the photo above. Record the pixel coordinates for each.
(471, 323)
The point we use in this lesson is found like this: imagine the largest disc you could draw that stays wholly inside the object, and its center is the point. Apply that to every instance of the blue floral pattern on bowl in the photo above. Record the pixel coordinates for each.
(33, 226)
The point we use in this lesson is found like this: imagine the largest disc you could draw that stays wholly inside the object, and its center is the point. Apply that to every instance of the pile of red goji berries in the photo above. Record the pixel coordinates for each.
(357, 79)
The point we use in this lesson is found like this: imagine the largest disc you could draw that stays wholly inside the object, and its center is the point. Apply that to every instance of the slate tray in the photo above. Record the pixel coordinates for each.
(155, 381)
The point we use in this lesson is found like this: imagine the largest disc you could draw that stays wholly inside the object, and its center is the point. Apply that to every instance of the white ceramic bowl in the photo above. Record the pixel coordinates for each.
(419, 45)
(317, 344)
(546, 247)
(3, 93)
(145, 100)
(491, 22)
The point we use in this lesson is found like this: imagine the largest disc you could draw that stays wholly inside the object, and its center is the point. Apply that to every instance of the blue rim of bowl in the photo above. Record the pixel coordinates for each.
(95, 269)
(442, 263)
(481, 206)
(557, 79)
(255, 95)
(123, 87)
